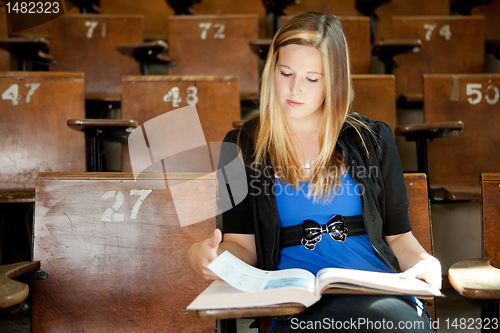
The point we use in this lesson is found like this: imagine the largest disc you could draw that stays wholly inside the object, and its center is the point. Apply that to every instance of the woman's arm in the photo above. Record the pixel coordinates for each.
(203, 253)
(414, 260)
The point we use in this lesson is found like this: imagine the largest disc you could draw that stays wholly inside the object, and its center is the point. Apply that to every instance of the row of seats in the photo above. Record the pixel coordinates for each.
(447, 100)
(112, 254)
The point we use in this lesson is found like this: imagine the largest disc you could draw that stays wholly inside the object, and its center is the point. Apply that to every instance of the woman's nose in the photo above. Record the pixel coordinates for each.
(296, 87)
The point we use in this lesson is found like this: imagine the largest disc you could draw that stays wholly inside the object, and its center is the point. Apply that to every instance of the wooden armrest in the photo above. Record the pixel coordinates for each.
(430, 131)
(148, 52)
(102, 124)
(276, 311)
(260, 47)
(33, 49)
(17, 196)
(387, 49)
(14, 292)
(238, 123)
(456, 193)
(475, 278)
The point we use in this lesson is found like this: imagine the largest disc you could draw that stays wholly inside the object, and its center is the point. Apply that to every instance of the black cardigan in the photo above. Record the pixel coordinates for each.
(378, 174)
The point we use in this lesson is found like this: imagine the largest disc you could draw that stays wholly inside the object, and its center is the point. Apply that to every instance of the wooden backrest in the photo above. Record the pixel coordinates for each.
(491, 13)
(224, 7)
(215, 45)
(385, 12)
(419, 209)
(374, 97)
(216, 100)
(357, 30)
(115, 254)
(34, 135)
(155, 13)
(419, 213)
(450, 44)
(4, 55)
(87, 43)
(335, 7)
(473, 99)
(490, 199)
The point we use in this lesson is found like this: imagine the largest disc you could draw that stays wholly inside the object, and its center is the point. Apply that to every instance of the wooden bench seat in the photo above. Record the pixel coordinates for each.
(479, 278)
(115, 254)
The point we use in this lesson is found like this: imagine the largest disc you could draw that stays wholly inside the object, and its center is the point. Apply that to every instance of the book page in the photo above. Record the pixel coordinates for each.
(390, 282)
(247, 278)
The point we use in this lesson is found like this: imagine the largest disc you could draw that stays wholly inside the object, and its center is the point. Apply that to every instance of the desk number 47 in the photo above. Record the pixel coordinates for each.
(12, 93)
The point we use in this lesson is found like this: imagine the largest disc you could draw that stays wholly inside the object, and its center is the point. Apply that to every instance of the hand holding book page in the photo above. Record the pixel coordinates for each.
(245, 286)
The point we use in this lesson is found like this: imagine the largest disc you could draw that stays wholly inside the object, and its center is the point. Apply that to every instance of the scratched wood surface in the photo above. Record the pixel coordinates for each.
(34, 135)
(215, 45)
(87, 43)
(116, 254)
(216, 99)
(450, 44)
(473, 99)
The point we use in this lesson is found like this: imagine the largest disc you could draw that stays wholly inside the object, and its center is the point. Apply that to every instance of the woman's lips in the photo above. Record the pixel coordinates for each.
(293, 103)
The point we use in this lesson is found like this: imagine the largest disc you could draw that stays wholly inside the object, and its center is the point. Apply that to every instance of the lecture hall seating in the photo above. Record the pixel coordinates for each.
(216, 45)
(113, 253)
(448, 44)
(455, 163)
(216, 99)
(479, 278)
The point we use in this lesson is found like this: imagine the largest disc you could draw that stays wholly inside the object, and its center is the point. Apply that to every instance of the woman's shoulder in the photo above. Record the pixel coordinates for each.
(365, 126)
(245, 132)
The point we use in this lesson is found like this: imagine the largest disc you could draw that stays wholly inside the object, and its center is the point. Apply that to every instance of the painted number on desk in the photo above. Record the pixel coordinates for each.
(12, 93)
(219, 27)
(444, 31)
(110, 213)
(491, 95)
(91, 27)
(174, 96)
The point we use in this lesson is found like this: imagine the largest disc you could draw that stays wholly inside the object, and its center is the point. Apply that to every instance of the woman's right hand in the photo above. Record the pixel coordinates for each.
(203, 253)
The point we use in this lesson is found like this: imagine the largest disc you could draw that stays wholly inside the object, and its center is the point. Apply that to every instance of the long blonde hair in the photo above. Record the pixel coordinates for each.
(272, 138)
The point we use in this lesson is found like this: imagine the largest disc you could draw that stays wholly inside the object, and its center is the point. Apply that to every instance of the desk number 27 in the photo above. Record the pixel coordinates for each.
(110, 215)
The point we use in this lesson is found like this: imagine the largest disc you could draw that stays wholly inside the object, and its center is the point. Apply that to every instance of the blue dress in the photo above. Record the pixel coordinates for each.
(355, 253)
(294, 207)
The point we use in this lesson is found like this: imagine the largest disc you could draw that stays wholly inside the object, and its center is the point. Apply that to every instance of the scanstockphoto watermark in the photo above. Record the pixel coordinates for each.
(362, 324)
(360, 172)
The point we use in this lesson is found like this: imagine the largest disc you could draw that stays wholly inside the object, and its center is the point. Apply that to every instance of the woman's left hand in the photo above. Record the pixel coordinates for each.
(427, 269)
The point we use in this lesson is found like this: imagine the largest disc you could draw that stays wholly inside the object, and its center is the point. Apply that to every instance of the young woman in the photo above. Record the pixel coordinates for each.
(310, 159)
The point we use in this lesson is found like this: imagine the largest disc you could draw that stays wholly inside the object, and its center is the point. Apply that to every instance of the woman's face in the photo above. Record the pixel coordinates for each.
(299, 82)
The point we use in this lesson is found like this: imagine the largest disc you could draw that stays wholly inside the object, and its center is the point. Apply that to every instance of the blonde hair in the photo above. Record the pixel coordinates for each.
(272, 138)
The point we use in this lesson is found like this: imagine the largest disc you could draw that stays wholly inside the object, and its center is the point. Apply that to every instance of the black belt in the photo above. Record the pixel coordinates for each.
(301, 233)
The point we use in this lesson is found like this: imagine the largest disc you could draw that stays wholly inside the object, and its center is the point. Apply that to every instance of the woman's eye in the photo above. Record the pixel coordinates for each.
(313, 80)
(286, 74)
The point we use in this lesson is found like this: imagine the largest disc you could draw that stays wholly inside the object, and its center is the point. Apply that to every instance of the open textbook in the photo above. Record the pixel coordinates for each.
(244, 286)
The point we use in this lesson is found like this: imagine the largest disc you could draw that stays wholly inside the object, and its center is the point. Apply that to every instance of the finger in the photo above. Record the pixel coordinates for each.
(215, 240)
